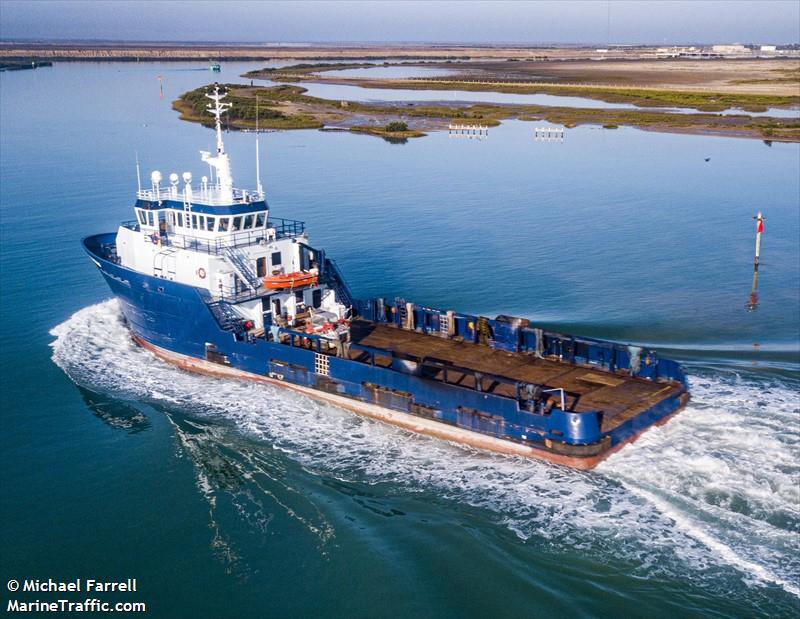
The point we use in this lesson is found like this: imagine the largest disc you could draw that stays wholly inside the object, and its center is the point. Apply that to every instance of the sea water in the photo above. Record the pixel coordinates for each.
(231, 499)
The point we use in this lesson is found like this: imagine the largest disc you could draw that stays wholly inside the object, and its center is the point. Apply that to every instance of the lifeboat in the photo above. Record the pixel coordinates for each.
(290, 280)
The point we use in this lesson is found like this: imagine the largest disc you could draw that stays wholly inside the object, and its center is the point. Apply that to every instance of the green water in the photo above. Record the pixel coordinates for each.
(235, 500)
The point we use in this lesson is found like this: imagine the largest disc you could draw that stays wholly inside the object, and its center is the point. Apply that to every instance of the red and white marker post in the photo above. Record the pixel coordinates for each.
(753, 303)
(759, 231)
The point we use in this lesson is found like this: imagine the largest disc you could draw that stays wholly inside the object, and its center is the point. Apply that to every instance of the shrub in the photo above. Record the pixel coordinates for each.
(396, 126)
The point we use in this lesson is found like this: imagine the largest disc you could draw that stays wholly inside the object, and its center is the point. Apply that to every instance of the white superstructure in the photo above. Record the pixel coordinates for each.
(222, 241)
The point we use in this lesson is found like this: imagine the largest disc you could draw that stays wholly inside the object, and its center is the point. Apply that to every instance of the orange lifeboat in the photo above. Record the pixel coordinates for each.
(290, 280)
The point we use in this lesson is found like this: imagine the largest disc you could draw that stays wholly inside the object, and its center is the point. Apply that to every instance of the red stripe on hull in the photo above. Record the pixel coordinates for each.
(403, 420)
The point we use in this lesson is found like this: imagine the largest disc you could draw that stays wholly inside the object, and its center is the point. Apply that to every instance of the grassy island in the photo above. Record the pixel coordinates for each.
(309, 68)
(706, 101)
(395, 131)
(269, 104)
(287, 106)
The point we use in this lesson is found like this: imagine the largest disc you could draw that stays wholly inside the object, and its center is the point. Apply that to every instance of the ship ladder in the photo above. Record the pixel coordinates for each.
(227, 317)
(339, 285)
(239, 262)
(187, 210)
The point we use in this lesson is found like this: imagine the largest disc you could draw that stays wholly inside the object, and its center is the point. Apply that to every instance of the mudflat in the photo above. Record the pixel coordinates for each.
(779, 76)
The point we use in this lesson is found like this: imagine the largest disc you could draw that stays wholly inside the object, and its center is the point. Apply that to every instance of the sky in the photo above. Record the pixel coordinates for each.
(533, 22)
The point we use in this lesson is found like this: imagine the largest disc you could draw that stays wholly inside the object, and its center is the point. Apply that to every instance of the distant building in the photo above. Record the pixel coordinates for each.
(769, 48)
(730, 49)
(675, 52)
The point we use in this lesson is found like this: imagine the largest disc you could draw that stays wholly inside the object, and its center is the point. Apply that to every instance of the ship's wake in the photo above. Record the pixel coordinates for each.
(716, 488)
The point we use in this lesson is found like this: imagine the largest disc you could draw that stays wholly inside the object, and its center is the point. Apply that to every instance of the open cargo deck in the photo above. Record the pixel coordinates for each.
(618, 395)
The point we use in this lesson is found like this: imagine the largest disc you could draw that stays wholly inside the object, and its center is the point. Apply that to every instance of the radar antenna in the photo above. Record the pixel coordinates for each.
(221, 162)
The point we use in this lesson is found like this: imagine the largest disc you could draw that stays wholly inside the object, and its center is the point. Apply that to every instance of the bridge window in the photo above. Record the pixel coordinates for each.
(276, 258)
(223, 224)
(194, 221)
(248, 222)
(237, 224)
(210, 222)
(150, 218)
(180, 219)
(260, 219)
(142, 217)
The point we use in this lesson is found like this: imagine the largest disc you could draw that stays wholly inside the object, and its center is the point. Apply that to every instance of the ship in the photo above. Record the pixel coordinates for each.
(210, 281)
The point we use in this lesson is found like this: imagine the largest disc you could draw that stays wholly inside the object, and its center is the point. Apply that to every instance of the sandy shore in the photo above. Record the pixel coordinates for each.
(761, 76)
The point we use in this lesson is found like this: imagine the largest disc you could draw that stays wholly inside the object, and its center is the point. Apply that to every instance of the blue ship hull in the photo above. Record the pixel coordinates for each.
(176, 321)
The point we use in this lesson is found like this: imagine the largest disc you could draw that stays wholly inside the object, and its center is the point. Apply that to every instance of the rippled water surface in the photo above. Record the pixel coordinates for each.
(231, 499)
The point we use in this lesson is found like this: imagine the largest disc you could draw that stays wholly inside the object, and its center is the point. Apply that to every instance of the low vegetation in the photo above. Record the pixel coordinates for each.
(777, 76)
(308, 67)
(396, 126)
(245, 106)
(289, 107)
(395, 131)
(644, 97)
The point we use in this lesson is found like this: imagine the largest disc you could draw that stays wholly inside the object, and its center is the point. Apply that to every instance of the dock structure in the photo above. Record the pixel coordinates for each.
(475, 132)
(548, 134)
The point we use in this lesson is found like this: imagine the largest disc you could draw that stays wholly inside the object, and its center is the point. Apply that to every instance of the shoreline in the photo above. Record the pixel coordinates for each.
(159, 50)
(706, 98)
(289, 107)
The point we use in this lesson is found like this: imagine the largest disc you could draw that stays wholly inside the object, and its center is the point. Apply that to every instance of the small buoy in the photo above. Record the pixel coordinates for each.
(708, 158)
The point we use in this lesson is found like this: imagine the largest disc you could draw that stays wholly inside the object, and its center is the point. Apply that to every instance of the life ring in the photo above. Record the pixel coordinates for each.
(201, 273)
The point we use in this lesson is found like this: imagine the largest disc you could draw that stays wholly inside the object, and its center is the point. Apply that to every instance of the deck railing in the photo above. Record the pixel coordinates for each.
(512, 336)
(211, 196)
(284, 228)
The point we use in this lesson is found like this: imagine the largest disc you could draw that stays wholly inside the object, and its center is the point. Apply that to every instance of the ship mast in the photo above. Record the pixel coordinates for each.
(259, 188)
(220, 163)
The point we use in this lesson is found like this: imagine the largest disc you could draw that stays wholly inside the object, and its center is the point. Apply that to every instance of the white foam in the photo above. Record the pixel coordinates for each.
(711, 488)
(726, 471)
